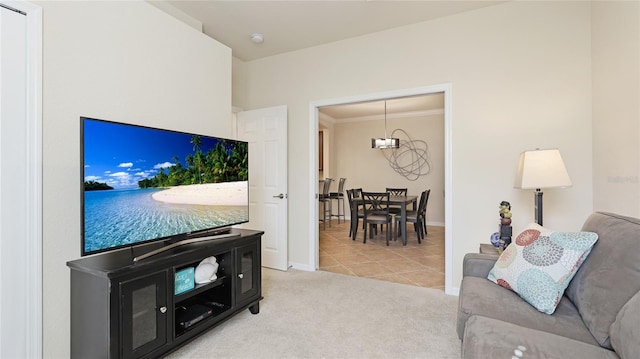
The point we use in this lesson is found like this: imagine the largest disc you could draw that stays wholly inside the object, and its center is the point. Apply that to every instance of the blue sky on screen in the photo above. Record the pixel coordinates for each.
(121, 154)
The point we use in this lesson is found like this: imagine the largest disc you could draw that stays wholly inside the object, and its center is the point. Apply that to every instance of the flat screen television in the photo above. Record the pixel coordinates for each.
(143, 184)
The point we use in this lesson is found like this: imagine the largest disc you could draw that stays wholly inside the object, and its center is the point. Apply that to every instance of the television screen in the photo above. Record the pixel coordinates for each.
(142, 184)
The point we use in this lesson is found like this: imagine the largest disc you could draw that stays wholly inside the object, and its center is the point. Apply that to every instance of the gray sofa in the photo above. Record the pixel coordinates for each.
(598, 316)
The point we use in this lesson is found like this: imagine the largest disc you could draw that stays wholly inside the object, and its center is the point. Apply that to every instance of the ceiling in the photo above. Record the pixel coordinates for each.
(375, 110)
(294, 25)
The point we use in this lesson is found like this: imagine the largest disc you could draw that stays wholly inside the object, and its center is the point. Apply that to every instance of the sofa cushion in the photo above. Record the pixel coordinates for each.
(479, 296)
(540, 263)
(610, 276)
(625, 331)
(490, 338)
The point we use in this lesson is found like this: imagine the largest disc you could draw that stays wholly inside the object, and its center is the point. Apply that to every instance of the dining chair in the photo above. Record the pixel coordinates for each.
(424, 214)
(357, 192)
(325, 199)
(376, 211)
(417, 217)
(396, 192)
(359, 213)
(339, 196)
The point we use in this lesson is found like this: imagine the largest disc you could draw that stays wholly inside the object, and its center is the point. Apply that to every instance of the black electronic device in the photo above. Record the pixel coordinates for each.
(142, 184)
(186, 316)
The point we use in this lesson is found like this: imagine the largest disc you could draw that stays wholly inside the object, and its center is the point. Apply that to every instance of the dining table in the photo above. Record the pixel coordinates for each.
(401, 201)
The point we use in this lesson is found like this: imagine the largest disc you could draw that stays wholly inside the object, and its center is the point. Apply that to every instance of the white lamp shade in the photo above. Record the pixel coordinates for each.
(541, 169)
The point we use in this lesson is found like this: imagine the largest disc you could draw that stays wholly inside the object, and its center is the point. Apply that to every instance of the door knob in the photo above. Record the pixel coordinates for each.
(240, 275)
(163, 310)
(281, 196)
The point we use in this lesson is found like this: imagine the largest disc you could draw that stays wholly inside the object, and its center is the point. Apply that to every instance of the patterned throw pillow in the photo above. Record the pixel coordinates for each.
(540, 263)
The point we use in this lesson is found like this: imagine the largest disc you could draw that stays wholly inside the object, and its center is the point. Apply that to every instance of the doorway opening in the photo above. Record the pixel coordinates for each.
(445, 91)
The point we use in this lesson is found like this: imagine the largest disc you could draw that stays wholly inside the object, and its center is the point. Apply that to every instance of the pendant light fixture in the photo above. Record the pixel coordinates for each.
(385, 142)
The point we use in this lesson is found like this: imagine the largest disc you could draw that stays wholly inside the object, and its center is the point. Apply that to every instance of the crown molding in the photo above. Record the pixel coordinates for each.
(379, 117)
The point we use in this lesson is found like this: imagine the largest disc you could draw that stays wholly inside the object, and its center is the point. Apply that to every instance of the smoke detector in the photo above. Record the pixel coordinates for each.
(257, 38)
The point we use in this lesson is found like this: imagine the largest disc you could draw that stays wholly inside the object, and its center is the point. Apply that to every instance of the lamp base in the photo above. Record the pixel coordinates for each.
(538, 205)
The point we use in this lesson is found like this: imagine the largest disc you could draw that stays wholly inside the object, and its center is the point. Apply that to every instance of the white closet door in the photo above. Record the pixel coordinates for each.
(20, 180)
(13, 184)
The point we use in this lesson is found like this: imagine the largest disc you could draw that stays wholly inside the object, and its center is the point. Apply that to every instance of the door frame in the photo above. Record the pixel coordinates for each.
(32, 150)
(447, 89)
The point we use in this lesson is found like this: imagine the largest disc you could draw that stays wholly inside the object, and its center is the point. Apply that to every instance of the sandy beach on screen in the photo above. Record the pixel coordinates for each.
(216, 194)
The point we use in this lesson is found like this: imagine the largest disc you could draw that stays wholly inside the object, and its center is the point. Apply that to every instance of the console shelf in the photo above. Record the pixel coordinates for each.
(199, 288)
(121, 308)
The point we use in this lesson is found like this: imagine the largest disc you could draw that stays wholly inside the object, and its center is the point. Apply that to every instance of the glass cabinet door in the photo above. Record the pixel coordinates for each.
(144, 314)
(248, 272)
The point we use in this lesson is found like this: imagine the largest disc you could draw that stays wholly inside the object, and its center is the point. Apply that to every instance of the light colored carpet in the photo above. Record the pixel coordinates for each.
(329, 315)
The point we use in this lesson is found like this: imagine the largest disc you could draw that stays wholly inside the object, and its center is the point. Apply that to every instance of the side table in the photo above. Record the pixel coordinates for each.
(487, 248)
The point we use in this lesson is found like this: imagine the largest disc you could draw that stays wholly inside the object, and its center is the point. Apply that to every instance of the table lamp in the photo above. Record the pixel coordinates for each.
(539, 169)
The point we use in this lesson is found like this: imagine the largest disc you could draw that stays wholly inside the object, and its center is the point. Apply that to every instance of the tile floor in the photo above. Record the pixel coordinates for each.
(415, 264)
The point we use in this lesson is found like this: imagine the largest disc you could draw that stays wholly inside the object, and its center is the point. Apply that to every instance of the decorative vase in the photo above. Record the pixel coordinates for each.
(495, 239)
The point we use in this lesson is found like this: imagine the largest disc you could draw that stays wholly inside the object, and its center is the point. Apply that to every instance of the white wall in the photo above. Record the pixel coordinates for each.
(521, 79)
(120, 61)
(616, 108)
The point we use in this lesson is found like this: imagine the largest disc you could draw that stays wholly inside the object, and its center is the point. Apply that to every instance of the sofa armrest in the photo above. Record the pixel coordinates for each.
(478, 264)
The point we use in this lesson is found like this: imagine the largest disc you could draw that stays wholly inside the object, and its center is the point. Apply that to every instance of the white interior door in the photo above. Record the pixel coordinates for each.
(266, 131)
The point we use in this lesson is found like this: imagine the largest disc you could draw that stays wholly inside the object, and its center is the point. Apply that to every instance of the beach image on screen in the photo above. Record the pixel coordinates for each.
(143, 183)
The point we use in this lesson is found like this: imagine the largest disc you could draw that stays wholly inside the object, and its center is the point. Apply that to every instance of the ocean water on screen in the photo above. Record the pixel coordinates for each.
(119, 217)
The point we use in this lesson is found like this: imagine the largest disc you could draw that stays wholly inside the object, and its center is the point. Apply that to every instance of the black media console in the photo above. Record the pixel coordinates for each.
(121, 308)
